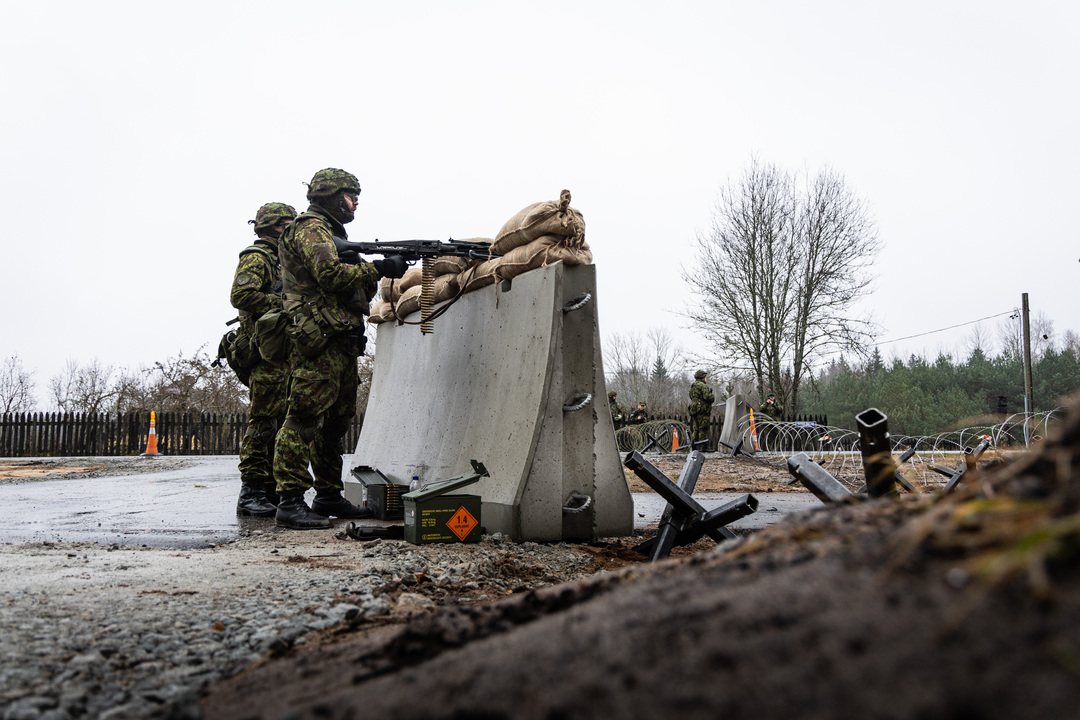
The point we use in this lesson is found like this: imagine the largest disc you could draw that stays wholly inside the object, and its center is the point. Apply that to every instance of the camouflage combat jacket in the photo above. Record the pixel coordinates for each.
(324, 297)
(701, 398)
(256, 287)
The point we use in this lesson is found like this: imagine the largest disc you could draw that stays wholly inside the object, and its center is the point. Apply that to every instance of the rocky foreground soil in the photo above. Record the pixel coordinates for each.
(120, 632)
(923, 606)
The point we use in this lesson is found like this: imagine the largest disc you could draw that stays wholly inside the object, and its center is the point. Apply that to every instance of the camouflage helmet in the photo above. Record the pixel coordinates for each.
(330, 181)
(700, 375)
(611, 394)
(271, 214)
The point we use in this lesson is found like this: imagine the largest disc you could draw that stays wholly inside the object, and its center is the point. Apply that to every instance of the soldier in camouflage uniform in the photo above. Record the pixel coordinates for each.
(618, 415)
(256, 290)
(773, 408)
(701, 402)
(327, 301)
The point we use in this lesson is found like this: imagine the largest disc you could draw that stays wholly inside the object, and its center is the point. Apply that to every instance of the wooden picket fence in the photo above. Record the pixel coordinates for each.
(96, 434)
(93, 434)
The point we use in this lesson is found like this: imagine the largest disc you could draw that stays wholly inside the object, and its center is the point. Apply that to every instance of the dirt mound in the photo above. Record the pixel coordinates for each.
(964, 606)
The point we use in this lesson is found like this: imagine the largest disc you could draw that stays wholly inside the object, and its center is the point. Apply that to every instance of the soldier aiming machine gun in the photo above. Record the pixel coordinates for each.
(410, 251)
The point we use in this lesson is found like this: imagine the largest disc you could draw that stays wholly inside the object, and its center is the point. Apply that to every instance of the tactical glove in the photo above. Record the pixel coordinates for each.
(392, 266)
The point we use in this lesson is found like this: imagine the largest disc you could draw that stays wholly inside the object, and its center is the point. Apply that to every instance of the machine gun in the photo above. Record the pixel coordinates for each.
(411, 251)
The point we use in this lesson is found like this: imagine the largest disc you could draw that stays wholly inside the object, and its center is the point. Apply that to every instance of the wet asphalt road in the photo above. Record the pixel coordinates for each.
(196, 506)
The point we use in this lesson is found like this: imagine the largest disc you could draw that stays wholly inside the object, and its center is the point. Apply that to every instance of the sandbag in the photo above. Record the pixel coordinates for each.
(411, 279)
(444, 288)
(539, 253)
(409, 302)
(479, 276)
(539, 219)
(380, 313)
(385, 290)
(448, 265)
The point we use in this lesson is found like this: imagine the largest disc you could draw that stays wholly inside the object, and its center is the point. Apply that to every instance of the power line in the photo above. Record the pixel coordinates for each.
(951, 327)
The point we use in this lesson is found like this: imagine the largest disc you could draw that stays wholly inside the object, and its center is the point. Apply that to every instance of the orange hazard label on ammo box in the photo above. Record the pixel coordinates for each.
(461, 523)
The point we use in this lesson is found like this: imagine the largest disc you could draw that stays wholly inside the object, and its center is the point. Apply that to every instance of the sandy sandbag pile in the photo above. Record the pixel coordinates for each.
(539, 235)
(403, 295)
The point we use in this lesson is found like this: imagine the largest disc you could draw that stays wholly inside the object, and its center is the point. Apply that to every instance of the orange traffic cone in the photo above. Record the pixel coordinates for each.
(753, 432)
(151, 440)
(674, 438)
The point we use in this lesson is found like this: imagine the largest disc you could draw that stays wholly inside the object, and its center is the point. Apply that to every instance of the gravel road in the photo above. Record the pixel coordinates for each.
(115, 632)
(174, 594)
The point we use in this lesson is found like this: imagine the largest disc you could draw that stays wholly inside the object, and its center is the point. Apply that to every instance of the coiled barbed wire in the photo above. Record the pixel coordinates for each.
(637, 437)
(838, 449)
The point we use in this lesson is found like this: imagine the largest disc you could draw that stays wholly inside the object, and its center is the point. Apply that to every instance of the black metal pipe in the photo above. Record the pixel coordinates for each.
(879, 466)
(672, 521)
(817, 479)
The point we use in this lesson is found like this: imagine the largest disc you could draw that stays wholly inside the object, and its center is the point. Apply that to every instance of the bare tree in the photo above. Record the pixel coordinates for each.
(1070, 342)
(17, 386)
(1011, 336)
(835, 244)
(627, 364)
(190, 383)
(1043, 339)
(978, 341)
(365, 369)
(647, 368)
(777, 276)
(83, 388)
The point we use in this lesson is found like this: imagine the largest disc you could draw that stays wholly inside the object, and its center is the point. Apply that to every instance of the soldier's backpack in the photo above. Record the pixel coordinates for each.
(239, 352)
(271, 335)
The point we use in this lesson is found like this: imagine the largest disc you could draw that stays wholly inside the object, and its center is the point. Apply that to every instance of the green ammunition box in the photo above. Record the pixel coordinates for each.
(380, 495)
(432, 516)
(442, 519)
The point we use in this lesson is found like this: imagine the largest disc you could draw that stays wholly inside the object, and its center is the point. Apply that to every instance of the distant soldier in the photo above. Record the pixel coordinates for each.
(640, 415)
(773, 408)
(618, 415)
(256, 290)
(700, 408)
(327, 301)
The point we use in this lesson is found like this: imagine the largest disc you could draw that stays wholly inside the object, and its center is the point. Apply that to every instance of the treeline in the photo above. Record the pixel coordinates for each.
(183, 383)
(924, 398)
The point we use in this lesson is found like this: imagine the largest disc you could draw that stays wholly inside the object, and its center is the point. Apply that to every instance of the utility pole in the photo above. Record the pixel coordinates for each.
(1029, 403)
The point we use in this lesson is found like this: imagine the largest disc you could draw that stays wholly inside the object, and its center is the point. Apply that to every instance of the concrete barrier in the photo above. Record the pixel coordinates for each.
(736, 424)
(512, 377)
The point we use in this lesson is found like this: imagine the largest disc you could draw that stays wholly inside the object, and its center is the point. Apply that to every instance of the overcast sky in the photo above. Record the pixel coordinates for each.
(138, 138)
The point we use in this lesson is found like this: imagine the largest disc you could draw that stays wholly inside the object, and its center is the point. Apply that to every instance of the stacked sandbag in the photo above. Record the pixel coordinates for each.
(541, 252)
(479, 275)
(556, 219)
(380, 312)
(402, 296)
(539, 235)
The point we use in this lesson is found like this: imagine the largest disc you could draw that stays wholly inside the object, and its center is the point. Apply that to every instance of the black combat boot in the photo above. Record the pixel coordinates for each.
(331, 503)
(253, 502)
(293, 513)
(271, 494)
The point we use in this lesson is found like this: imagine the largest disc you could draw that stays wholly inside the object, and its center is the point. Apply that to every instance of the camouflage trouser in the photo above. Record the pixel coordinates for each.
(267, 390)
(322, 400)
(699, 428)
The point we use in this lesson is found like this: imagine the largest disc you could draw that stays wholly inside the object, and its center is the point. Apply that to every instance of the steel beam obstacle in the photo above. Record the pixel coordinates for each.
(684, 520)
(971, 459)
